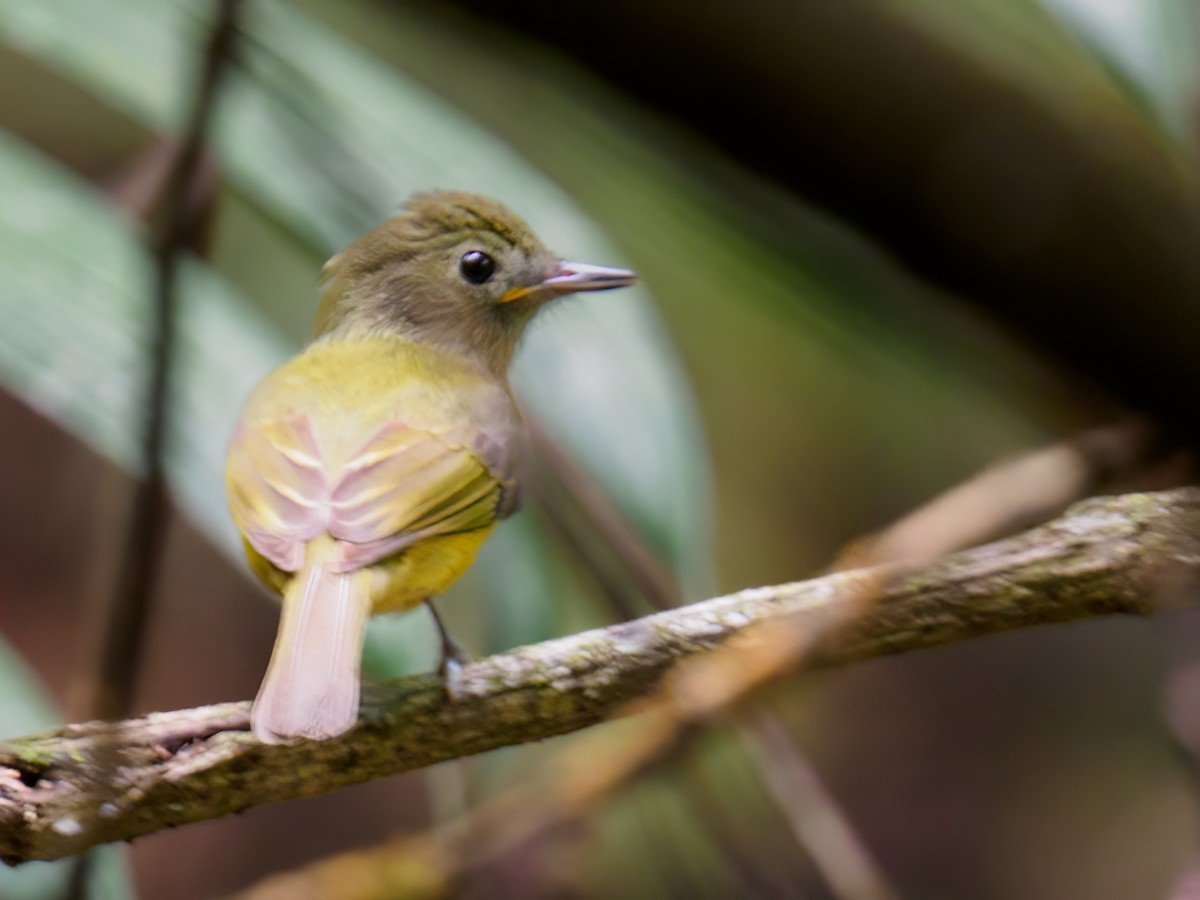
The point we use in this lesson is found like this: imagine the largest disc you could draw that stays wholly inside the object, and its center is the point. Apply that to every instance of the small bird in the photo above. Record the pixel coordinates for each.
(365, 473)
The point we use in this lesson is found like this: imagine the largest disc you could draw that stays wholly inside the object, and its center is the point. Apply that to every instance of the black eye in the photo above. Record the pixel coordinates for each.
(476, 267)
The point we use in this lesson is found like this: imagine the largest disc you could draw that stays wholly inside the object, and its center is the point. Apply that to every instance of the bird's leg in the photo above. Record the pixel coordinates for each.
(453, 656)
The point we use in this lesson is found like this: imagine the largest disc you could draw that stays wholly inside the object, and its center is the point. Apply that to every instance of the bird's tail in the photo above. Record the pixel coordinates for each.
(312, 682)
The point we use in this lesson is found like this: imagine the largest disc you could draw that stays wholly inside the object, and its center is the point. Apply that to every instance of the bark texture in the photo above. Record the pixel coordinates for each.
(87, 784)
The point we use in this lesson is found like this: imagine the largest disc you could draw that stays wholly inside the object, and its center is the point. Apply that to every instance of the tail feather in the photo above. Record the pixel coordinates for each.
(312, 683)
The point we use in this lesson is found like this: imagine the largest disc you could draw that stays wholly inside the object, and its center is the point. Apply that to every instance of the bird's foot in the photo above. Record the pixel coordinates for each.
(454, 658)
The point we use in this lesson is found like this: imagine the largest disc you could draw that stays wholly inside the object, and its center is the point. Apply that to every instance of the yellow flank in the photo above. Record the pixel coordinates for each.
(424, 570)
(403, 581)
(274, 578)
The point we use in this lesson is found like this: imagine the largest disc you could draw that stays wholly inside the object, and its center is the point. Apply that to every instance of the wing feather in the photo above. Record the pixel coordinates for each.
(402, 485)
(377, 442)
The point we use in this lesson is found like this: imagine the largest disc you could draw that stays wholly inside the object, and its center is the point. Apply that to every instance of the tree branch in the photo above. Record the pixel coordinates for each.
(1113, 555)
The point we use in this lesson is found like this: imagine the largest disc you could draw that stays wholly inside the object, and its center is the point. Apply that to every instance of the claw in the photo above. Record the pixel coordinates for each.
(452, 680)
(453, 660)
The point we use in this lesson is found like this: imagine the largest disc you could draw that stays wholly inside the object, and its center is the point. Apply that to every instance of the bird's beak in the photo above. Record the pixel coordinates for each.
(571, 277)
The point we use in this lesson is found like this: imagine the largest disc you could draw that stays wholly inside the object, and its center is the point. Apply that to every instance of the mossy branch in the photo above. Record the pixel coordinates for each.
(1123, 554)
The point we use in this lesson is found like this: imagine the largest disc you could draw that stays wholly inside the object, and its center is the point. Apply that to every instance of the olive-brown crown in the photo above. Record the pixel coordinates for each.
(453, 269)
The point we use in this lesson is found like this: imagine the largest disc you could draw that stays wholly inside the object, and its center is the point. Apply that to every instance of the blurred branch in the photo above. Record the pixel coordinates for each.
(1019, 491)
(170, 194)
(699, 690)
(1106, 556)
(564, 475)
(1012, 494)
(834, 848)
(139, 188)
(1015, 493)
(818, 823)
(173, 226)
(571, 537)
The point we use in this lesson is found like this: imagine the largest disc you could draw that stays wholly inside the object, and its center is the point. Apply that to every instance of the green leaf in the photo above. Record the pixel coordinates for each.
(24, 708)
(74, 294)
(327, 141)
(1152, 43)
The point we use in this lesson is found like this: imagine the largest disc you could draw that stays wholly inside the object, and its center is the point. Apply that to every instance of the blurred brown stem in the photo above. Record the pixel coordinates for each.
(816, 820)
(566, 477)
(121, 648)
(173, 226)
(571, 537)
(659, 587)
(1013, 494)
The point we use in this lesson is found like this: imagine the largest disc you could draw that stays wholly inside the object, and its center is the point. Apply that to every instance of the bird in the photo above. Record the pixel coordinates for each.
(365, 473)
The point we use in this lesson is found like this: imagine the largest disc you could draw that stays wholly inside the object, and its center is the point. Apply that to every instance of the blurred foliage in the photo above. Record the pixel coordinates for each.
(837, 390)
(1151, 45)
(325, 142)
(74, 279)
(829, 375)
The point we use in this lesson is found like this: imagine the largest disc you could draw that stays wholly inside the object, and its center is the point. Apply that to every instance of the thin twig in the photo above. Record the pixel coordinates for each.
(138, 189)
(620, 598)
(818, 823)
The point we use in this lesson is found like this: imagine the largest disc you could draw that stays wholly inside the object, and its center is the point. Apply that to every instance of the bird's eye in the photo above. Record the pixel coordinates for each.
(476, 266)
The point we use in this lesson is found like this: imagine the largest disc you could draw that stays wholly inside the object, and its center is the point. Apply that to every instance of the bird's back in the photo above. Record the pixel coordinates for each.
(352, 386)
(376, 442)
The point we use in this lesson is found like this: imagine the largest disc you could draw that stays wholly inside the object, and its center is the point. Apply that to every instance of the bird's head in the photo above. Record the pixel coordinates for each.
(454, 270)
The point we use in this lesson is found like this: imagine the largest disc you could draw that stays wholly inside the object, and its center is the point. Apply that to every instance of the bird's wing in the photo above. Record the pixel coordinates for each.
(277, 485)
(406, 484)
(403, 484)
